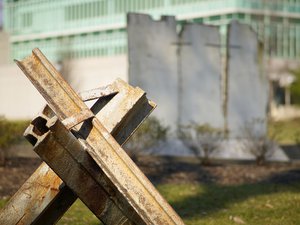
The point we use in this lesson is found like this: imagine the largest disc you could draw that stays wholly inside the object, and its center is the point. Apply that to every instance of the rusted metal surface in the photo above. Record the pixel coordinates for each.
(55, 208)
(127, 182)
(52, 207)
(21, 209)
(98, 93)
(78, 118)
(64, 153)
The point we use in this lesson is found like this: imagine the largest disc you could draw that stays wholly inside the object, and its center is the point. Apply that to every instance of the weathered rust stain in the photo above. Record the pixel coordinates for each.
(29, 197)
(135, 193)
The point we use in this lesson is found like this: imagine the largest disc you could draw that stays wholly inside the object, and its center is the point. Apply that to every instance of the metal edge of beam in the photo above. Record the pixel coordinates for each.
(53, 207)
(117, 166)
(53, 147)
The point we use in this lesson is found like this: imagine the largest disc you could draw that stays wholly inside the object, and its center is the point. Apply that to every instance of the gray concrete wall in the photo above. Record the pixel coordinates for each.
(152, 63)
(200, 62)
(182, 73)
(247, 84)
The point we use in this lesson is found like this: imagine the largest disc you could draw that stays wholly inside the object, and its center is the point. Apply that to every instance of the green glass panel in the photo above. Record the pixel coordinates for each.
(32, 17)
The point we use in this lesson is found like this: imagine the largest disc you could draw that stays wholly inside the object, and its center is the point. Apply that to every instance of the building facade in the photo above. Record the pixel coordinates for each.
(92, 28)
(89, 37)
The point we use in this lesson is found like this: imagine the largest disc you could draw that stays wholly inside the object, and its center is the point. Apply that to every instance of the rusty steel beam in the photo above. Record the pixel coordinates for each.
(98, 92)
(43, 200)
(64, 153)
(26, 205)
(39, 128)
(127, 181)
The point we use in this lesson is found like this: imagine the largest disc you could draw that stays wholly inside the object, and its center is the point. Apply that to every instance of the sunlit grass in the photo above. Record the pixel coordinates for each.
(212, 204)
(218, 205)
(285, 132)
(79, 214)
(2, 202)
(251, 203)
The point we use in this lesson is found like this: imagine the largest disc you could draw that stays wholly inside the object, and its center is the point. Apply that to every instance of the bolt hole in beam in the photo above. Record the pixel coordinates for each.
(39, 126)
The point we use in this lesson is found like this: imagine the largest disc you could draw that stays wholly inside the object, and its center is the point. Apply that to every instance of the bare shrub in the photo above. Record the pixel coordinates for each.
(149, 134)
(257, 143)
(202, 139)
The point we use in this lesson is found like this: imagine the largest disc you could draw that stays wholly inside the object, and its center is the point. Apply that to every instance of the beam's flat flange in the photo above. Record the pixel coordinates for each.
(127, 179)
(52, 197)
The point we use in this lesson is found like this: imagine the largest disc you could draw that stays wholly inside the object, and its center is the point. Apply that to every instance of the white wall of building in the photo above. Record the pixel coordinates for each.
(20, 100)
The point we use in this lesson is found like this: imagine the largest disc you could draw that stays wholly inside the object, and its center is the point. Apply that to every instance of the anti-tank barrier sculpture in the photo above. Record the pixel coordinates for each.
(82, 155)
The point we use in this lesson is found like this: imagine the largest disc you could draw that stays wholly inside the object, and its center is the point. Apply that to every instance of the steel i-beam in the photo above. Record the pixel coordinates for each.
(43, 198)
(127, 180)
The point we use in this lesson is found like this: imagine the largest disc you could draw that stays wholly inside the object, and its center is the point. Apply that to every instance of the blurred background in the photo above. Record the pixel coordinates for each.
(223, 145)
(93, 33)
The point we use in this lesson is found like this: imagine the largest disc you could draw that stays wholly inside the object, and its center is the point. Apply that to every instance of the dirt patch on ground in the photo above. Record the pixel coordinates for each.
(168, 170)
(172, 170)
(14, 174)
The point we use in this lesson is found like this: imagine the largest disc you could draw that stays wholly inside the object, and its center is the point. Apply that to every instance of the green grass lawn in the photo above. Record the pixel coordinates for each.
(252, 203)
(285, 132)
(258, 204)
(212, 204)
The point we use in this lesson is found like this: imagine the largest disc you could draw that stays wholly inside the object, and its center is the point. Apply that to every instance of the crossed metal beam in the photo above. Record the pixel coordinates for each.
(82, 146)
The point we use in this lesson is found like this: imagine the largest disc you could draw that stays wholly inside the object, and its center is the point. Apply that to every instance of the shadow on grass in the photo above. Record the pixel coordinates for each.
(206, 199)
(292, 151)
